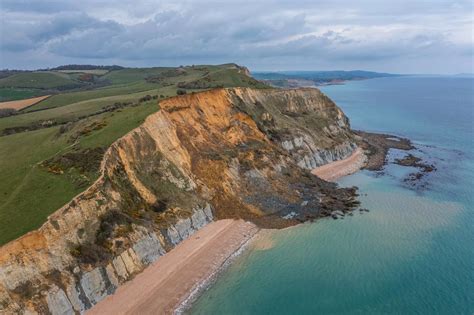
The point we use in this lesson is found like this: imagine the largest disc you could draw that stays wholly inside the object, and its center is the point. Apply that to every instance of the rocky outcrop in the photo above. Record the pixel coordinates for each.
(304, 122)
(312, 156)
(70, 291)
(225, 153)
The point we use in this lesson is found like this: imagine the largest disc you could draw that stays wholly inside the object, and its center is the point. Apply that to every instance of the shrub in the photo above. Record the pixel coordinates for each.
(86, 77)
(145, 98)
(90, 253)
(180, 91)
(5, 112)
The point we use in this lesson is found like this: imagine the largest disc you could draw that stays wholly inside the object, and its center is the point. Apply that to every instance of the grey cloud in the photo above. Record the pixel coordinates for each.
(269, 33)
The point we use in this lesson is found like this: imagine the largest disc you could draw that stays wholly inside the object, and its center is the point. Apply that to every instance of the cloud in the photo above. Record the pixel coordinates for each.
(265, 34)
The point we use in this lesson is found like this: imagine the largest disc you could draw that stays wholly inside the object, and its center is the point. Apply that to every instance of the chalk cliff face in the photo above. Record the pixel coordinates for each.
(225, 153)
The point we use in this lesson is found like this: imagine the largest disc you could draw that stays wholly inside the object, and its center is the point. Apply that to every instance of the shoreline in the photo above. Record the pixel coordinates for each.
(203, 257)
(172, 283)
(200, 287)
(333, 171)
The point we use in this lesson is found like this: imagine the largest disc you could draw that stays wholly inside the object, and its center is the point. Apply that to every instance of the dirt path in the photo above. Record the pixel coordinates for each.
(163, 286)
(337, 169)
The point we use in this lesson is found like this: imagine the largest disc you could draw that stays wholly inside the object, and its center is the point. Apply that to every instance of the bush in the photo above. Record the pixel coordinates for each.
(86, 77)
(90, 253)
(145, 98)
(180, 91)
(5, 112)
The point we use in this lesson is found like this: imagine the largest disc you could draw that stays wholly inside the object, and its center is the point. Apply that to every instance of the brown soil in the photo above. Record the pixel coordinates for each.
(21, 104)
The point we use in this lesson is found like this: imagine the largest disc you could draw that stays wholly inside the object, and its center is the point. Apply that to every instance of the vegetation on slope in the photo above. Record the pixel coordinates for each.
(38, 80)
(50, 152)
(13, 94)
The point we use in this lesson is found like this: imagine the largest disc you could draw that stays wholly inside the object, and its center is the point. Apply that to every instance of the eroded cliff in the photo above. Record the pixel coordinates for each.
(225, 153)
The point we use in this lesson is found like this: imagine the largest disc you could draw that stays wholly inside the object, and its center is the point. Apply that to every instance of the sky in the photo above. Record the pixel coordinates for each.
(398, 36)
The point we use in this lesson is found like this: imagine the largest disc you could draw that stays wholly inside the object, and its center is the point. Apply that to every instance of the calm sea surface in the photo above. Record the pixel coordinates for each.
(413, 253)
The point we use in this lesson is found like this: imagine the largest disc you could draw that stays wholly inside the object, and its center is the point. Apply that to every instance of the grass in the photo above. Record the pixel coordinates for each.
(27, 190)
(31, 193)
(77, 110)
(75, 97)
(38, 80)
(93, 71)
(31, 190)
(14, 94)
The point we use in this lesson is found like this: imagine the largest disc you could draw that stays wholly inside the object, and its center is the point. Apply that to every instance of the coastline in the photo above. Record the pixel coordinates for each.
(335, 170)
(175, 280)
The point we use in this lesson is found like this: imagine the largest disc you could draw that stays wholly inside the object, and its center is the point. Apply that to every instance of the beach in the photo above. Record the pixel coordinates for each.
(335, 170)
(171, 281)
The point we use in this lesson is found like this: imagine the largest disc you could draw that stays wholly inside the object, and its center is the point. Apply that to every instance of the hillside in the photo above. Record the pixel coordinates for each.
(224, 153)
(51, 151)
(311, 78)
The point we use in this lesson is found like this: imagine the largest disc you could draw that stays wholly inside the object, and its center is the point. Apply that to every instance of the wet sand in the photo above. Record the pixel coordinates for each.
(333, 171)
(163, 287)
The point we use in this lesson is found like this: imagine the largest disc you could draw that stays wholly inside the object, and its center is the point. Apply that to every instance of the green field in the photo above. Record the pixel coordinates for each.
(38, 80)
(77, 127)
(13, 94)
(95, 71)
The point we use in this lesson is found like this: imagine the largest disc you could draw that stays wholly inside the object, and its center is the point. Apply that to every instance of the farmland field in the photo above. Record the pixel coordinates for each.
(94, 71)
(38, 80)
(20, 104)
(12, 94)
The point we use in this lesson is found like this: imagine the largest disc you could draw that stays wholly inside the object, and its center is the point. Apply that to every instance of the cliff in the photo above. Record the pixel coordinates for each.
(224, 153)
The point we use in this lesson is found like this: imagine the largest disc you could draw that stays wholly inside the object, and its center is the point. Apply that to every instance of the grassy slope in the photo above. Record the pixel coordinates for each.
(75, 97)
(12, 94)
(38, 80)
(29, 193)
(36, 193)
(72, 111)
(123, 82)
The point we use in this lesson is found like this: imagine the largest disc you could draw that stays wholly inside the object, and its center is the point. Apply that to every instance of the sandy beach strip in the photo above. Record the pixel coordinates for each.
(334, 170)
(162, 287)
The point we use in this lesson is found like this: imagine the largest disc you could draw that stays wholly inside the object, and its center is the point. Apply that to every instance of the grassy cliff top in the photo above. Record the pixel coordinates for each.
(51, 151)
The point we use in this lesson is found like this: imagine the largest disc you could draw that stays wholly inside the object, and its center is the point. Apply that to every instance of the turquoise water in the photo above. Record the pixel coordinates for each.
(413, 253)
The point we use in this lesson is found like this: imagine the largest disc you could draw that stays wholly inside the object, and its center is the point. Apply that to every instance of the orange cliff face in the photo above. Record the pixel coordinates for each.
(224, 153)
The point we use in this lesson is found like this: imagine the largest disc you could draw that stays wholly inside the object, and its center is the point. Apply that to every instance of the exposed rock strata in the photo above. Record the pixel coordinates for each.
(236, 153)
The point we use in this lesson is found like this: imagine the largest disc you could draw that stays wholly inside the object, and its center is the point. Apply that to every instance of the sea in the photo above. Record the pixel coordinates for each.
(413, 253)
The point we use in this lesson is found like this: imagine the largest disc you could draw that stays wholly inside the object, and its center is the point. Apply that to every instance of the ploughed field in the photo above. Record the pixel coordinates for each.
(51, 150)
(22, 104)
